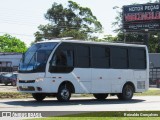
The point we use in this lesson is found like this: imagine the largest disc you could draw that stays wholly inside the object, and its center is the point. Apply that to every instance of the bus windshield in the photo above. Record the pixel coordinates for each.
(35, 59)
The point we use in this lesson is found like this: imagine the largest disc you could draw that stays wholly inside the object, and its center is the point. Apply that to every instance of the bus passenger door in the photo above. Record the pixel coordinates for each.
(60, 66)
(82, 76)
(82, 70)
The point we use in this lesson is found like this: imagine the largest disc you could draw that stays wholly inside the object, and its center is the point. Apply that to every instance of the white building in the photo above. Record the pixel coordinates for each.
(9, 61)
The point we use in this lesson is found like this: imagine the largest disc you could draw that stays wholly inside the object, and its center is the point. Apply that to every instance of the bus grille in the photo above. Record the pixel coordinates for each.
(26, 81)
(29, 88)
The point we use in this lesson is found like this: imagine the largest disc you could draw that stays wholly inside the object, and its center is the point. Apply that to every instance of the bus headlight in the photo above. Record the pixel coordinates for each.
(18, 80)
(39, 79)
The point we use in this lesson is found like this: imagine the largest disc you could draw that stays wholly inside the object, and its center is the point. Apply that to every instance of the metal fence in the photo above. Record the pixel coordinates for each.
(154, 75)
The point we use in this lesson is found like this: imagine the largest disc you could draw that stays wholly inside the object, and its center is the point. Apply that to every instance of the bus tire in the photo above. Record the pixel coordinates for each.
(100, 96)
(64, 93)
(6, 84)
(38, 96)
(13, 83)
(127, 93)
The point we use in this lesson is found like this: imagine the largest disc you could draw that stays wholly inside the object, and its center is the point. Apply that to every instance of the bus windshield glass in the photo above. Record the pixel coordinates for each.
(35, 59)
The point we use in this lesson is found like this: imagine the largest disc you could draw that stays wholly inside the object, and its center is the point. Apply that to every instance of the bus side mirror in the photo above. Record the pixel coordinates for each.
(23, 55)
(50, 62)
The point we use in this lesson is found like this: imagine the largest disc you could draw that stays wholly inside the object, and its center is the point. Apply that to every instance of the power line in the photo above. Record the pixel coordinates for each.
(22, 20)
(14, 17)
(21, 11)
(17, 23)
(17, 34)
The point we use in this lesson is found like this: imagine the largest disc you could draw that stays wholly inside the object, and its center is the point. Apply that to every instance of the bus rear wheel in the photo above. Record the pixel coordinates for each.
(100, 96)
(127, 93)
(38, 96)
(64, 93)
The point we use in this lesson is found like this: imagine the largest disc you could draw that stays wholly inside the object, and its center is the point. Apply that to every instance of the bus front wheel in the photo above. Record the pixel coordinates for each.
(100, 96)
(64, 93)
(127, 93)
(38, 96)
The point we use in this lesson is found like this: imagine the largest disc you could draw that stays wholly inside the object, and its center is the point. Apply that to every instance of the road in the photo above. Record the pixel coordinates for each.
(79, 105)
(82, 104)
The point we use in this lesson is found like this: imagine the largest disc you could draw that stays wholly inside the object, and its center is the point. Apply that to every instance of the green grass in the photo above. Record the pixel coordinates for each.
(149, 93)
(14, 95)
(99, 116)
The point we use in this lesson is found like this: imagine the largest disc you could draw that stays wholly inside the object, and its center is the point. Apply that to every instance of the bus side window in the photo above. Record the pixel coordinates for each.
(62, 61)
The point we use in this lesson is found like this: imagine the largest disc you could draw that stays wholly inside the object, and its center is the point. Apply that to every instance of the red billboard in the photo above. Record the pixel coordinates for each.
(141, 17)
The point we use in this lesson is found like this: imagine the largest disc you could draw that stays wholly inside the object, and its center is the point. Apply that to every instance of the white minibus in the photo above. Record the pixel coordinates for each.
(62, 67)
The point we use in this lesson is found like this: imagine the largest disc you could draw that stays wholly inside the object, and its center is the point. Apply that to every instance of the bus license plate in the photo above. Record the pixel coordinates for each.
(25, 87)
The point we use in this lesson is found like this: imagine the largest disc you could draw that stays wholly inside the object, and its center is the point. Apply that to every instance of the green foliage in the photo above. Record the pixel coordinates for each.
(117, 24)
(11, 44)
(74, 33)
(71, 21)
(109, 38)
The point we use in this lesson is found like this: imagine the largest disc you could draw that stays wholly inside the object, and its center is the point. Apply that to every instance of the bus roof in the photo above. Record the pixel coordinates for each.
(92, 42)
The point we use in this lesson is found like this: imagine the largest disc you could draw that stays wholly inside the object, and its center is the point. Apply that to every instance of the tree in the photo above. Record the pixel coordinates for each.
(71, 21)
(11, 44)
(121, 35)
(108, 38)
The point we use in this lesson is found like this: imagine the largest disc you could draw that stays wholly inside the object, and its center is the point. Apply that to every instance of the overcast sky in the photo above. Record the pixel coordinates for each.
(20, 18)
